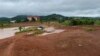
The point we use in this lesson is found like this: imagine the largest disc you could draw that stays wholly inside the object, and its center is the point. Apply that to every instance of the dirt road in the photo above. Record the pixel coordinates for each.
(71, 42)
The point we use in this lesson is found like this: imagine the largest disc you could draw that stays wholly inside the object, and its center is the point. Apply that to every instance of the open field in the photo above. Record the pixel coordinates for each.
(49, 27)
(74, 41)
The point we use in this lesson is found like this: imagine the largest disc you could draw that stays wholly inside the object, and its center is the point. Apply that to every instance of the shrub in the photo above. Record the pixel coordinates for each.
(67, 23)
(97, 22)
(20, 28)
(82, 22)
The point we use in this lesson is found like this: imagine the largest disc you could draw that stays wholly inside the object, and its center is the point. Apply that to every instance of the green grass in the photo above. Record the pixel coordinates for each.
(97, 22)
(34, 30)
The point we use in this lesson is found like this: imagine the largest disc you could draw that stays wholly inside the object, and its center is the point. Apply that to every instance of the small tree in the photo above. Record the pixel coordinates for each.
(20, 28)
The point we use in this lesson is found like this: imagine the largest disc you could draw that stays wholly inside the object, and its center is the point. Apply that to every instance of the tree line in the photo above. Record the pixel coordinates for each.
(54, 18)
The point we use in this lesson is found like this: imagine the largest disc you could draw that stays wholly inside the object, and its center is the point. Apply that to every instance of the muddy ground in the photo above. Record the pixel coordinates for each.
(74, 41)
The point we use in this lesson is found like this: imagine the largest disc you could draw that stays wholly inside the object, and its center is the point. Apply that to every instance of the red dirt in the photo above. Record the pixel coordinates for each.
(72, 42)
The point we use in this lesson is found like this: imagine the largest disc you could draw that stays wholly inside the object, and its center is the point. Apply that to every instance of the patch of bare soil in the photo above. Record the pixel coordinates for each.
(72, 42)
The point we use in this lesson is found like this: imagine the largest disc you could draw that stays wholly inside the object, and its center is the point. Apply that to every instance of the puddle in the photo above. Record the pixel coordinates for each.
(8, 32)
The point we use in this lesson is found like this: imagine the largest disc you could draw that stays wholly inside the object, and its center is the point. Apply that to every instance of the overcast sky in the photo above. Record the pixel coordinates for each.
(11, 8)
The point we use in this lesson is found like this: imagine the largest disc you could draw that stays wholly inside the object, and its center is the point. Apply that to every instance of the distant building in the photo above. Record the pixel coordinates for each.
(33, 18)
(13, 21)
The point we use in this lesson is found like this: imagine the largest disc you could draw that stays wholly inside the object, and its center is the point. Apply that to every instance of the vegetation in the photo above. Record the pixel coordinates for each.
(97, 22)
(4, 24)
(67, 23)
(59, 19)
(33, 30)
(55, 20)
(20, 28)
(20, 18)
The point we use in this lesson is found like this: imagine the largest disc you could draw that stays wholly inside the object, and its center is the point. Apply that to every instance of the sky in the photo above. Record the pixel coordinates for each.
(10, 8)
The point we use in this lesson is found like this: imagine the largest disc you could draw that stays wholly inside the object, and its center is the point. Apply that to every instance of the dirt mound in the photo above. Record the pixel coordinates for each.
(67, 43)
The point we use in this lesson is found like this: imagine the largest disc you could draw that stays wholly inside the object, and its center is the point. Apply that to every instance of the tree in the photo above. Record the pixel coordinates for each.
(20, 28)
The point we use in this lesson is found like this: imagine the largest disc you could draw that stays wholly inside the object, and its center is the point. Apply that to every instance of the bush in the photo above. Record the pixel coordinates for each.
(87, 22)
(82, 22)
(97, 22)
(75, 22)
(67, 23)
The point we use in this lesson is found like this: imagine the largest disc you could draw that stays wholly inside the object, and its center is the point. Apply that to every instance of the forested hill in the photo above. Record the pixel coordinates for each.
(4, 19)
(23, 18)
(20, 18)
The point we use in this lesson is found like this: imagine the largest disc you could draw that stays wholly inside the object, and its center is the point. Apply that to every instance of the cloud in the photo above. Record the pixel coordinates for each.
(11, 8)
